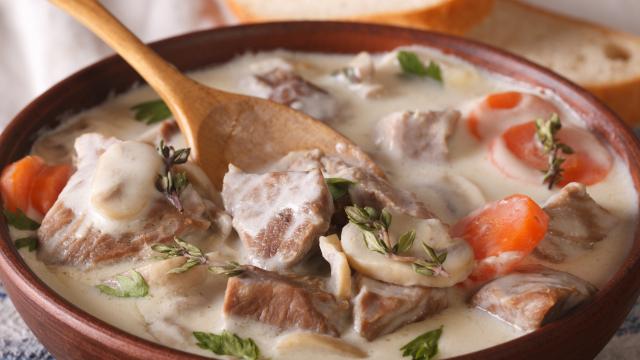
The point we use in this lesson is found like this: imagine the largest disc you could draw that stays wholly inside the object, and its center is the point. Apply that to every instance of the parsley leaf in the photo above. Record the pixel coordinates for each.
(228, 344)
(151, 112)
(19, 220)
(411, 64)
(338, 187)
(423, 347)
(125, 286)
(30, 242)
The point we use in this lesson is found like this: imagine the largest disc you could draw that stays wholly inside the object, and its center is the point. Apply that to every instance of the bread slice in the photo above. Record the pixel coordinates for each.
(451, 16)
(604, 61)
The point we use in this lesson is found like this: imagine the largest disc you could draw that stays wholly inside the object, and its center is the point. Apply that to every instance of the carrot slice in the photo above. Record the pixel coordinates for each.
(16, 181)
(502, 233)
(48, 185)
(492, 115)
(504, 100)
(589, 164)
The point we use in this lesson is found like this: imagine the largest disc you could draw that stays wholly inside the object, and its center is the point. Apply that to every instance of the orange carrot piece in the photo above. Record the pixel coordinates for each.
(514, 224)
(580, 166)
(16, 180)
(48, 185)
(504, 100)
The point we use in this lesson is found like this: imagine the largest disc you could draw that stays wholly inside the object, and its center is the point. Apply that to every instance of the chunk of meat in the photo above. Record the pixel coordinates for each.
(382, 308)
(280, 215)
(78, 229)
(576, 222)
(373, 190)
(287, 87)
(417, 134)
(533, 296)
(284, 303)
(369, 188)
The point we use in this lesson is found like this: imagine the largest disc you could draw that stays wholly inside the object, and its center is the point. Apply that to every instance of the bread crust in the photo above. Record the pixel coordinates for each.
(451, 16)
(623, 97)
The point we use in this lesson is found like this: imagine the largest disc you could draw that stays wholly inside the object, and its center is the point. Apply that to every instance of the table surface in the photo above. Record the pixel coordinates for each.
(16, 340)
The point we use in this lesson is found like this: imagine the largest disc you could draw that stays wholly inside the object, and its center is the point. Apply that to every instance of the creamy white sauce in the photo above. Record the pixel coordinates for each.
(465, 329)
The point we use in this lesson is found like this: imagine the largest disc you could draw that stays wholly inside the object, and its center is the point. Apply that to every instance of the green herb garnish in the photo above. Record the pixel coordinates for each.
(230, 269)
(194, 255)
(228, 344)
(125, 286)
(19, 220)
(338, 187)
(151, 112)
(171, 183)
(412, 65)
(546, 131)
(423, 347)
(30, 242)
(433, 264)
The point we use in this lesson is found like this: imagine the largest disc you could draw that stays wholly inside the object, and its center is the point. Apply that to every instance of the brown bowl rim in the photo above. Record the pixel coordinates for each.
(617, 134)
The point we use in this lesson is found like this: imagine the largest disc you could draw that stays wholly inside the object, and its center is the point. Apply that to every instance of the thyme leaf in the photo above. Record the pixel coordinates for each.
(338, 187)
(546, 131)
(170, 182)
(423, 347)
(228, 343)
(151, 112)
(192, 253)
(133, 285)
(230, 269)
(412, 65)
(30, 242)
(433, 264)
(20, 220)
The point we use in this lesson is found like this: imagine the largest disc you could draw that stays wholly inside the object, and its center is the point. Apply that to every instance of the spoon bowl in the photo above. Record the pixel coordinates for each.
(220, 127)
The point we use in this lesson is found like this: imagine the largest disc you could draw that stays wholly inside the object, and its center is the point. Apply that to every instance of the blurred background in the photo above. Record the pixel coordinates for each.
(41, 45)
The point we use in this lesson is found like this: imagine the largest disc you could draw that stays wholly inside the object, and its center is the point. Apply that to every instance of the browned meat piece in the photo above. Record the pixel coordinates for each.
(373, 190)
(280, 215)
(289, 88)
(370, 189)
(381, 308)
(576, 222)
(417, 134)
(73, 233)
(533, 296)
(284, 303)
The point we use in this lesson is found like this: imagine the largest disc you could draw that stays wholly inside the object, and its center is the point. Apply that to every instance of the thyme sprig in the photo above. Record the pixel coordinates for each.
(192, 253)
(546, 131)
(170, 182)
(433, 264)
(375, 231)
(230, 269)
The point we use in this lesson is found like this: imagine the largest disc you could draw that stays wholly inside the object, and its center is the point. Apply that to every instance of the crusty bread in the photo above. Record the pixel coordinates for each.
(451, 16)
(604, 61)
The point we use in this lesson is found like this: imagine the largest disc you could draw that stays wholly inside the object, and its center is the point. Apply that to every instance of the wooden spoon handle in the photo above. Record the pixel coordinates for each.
(163, 77)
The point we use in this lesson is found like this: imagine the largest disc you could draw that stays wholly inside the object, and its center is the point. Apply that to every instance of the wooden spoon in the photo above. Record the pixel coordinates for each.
(220, 127)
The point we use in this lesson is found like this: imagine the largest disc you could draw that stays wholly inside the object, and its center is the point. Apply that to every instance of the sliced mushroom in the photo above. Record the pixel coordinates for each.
(340, 283)
(458, 264)
(303, 341)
